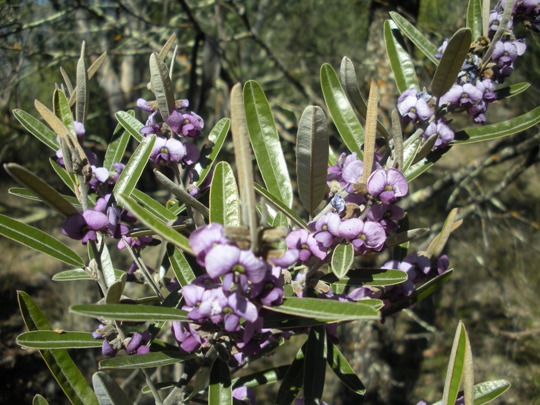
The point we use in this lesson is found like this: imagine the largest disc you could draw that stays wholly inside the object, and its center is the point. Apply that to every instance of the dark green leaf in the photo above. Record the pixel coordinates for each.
(326, 310)
(155, 207)
(511, 90)
(38, 240)
(293, 216)
(39, 400)
(162, 86)
(400, 61)
(37, 128)
(474, 18)
(63, 111)
(224, 197)
(260, 377)
(292, 381)
(451, 62)
(311, 150)
(315, 365)
(79, 274)
(132, 172)
(149, 360)
(487, 391)
(265, 143)
(127, 312)
(108, 391)
(365, 277)
(131, 124)
(402, 237)
(217, 137)
(220, 389)
(29, 195)
(40, 188)
(116, 147)
(340, 109)
(342, 259)
(48, 339)
(343, 370)
(180, 266)
(456, 366)
(69, 179)
(416, 37)
(512, 126)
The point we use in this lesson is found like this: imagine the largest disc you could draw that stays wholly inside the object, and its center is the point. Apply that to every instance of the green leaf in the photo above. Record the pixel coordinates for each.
(132, 172)
(48, 339)
(148, 360)
(161, 86)
(260, 377)
(155, 207)
(451, 62)
(343, 370)
(456, 366)
(63, 111)
(292, 381)
(265, 143)
(62, 367)
(22, 192)
(417, 38)
(217, 137)
(326, 310)
(421, 292)
(131, 124)
(220, 389)
(180, 266)
(39, 400)
(474, 18)
(94, 67)
(342, 259)
(315, 365)
(489, 390)
(512, 126)
(81, 102)
(436, 246)
(340, 109)
(127, 312)
(511, 90)
(413, 171)
(38, 240)
(402, 237)
(116, 147)
(224, 197)
(289, 213)
(365, 277)
(41, 189)
(311, 150)
(400, 61)
(69, 179)
(149, 220)
(104, 259)
(79, 274)
(37, 128)
(108, 391)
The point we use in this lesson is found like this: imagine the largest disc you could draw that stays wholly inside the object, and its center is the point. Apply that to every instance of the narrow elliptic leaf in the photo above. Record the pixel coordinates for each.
(425, 149)
(451, 62)
(370, 131)
(413, 171)
(292, 381)
(474, 18)
(417, 38)
(293, 216)
(149, 360)
(244, 168)
(63, 111)
(162, 86)
(116, 147)
(511, 90)
(154, 223)
(489, 390)
(421, 292)
(340, 109)
(79, 274)
(180, 266)
(167, 47)
(94, 67)
(315, 365)
(38, 240)
(224, 197)
(62, 367)
(454, 371)
(181, 194)
(437, 244)
(343, 370)
(311, 150)
(39, 400)
(107, 267)
(127, 312)
(342, 259)
(67, 81)
(265, 143)
(326, 310)
(40, 188)
(260, 377)
(115, 290)
(29, 195)
(365, 277)
(108, 391)
(402, 237)
(500, 129)
(217, 137)
(400, 61)
(486, 9)
(155, 207)
(132, 172)
(131, 124)
(220, 389)
(81, 102)
(397, 138)
(49, 339)
(37, 128)
(503, 27)
(69, 179)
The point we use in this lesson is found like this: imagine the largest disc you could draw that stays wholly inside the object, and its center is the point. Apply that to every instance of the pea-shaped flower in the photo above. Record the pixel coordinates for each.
(387, 185)
(85, 226)
(167, 151)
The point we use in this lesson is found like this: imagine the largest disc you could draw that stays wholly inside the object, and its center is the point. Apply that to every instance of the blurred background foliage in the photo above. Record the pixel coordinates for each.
(282, 45)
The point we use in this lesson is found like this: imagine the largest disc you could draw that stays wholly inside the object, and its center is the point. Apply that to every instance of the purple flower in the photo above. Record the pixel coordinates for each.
(167, 151)
(185, 124)
(137, 343)
(79, 129)
(505, 53)
(306, 244)
(364, 236)
(206, 237)
(245, 395)
(387, 185)
(85, 226)
(386, 215)
(326, 228)
(143, 105)
(462, 95)
(107, 349)
(441, 49)
(413, 106)
(334, 178)
(444, 134)
(187, 336)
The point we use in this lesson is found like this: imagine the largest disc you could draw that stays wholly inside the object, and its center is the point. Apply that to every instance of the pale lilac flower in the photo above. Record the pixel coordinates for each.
(137, 343)
(167, 151)
(413, 106)
(186, 336)
(107, 349)
(85, 226)
(387, 185)
(306, 244)
(364, 236)
(245, 395)
(326, 228)
(505, 53)
(143, 105)
(79, 129)
(204, 238)
(185, 124)
(462, 95)
(445, 135)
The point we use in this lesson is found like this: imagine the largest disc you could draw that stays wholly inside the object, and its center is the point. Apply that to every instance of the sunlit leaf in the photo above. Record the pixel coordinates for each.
(511, 90)
(132, 172)
(456, 366)
(131, 124)
(155, 207)
(79, 275)
(487, 391)
(342, 258)
(400, 61)
(39, 400)
(37, 128)
(260, 377)
(180, 266)
(116, 147)
(224, 197)
(94, 67)
(148, 360)
(220, 389)
(438, 243)
(48, 339)
(365, 277)
(343, 370)
(108, 391)
(474, 18)
(217, 137)
(81, 101)
(162, 86)
(127, 312)
(293, 216)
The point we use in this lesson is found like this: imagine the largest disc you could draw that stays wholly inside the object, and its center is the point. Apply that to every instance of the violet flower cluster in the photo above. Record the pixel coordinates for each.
(474, 89)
